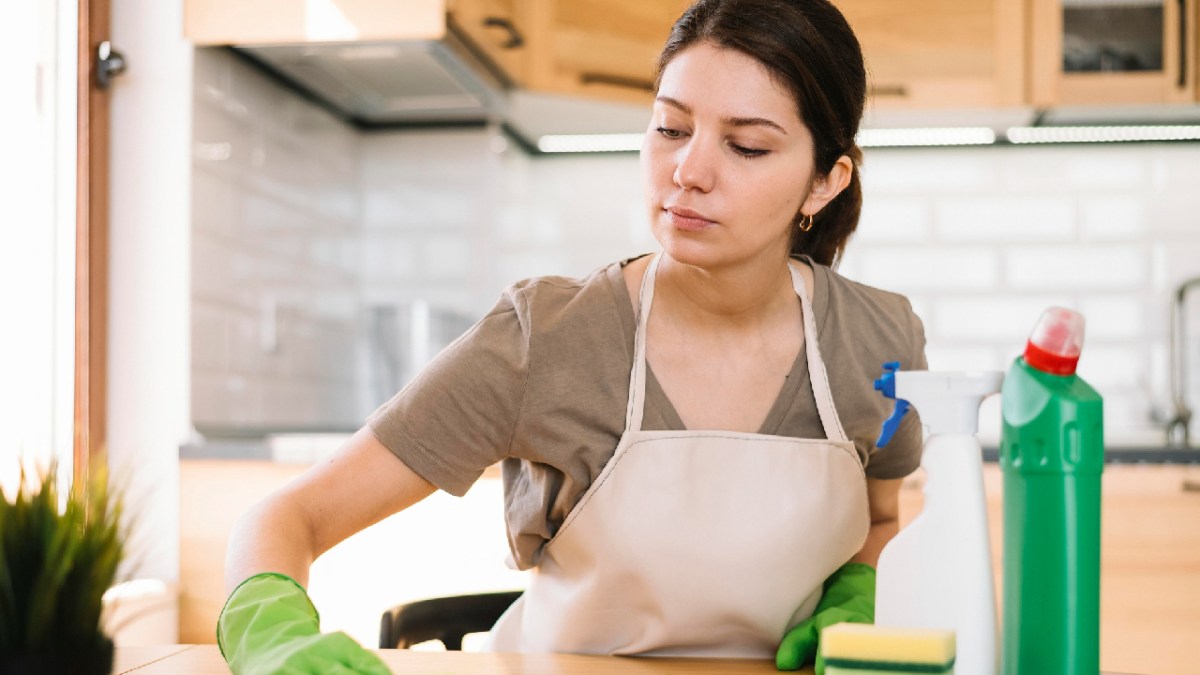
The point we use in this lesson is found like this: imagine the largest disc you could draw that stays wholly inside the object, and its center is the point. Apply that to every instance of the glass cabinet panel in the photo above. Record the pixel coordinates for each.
(1120, 36)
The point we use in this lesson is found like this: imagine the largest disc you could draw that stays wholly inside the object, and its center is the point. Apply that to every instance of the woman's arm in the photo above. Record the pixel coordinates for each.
(361, 484)
(883, 498)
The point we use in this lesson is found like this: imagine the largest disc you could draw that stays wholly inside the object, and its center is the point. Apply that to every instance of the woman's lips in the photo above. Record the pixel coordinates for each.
(687, 219)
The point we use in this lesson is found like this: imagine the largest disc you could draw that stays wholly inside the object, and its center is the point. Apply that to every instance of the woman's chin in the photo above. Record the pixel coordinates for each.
(688, 251)
(713, 255)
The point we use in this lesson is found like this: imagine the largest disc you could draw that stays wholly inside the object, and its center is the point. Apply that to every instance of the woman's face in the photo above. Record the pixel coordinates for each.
(727, 162)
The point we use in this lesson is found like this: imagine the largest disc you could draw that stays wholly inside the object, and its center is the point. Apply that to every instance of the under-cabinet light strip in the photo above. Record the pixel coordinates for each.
(591, 143)
(1103, 134)
(867, 138)
(922, 137)
(919, 137)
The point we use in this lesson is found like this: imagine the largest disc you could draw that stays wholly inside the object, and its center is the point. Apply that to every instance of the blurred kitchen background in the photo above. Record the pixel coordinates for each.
(329, 262)
(309, 201)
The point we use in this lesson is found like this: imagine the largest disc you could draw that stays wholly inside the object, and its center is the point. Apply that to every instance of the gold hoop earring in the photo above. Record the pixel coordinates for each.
(806, 223)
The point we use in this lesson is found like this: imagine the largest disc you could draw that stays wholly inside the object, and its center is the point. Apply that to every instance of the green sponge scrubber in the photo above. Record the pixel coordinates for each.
(862, 649)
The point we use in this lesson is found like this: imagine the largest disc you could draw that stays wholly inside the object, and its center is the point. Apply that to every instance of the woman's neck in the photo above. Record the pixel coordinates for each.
(732, 298)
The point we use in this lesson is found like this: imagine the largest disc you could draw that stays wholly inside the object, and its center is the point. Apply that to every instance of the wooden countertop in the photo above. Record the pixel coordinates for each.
(206, 660)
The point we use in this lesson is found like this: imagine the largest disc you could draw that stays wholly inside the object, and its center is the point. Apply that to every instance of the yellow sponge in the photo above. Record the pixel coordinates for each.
(860, 647)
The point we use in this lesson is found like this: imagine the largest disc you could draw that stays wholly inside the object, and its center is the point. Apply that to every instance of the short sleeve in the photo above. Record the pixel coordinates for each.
(457, 417)
(903, 452)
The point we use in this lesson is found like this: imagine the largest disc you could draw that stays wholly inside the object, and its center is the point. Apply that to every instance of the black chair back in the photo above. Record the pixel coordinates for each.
(445, 619)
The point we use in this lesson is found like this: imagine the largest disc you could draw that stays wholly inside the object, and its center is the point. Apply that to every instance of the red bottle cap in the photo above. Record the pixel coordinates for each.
(1056, 341)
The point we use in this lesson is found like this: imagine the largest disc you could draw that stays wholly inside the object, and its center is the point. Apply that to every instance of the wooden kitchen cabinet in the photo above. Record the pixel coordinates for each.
(941, 53)
(602, 48)
(1095, 52)
(500, 30)
(593, 48)
(226, 22)
(920, 54)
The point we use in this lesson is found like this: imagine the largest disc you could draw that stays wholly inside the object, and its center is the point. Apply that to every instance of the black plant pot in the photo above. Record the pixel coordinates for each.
(97, 660)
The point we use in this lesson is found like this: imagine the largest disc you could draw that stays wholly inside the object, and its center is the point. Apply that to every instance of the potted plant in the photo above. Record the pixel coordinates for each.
(59, 553)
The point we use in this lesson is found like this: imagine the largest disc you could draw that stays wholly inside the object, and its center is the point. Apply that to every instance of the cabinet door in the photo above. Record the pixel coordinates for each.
(497, 28)
(941, 53)
(1113, 51)
(1150, 568)
(602, 48)
(225, 22)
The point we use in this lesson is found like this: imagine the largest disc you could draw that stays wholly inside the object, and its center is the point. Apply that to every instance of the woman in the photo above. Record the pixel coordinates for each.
(687, 438)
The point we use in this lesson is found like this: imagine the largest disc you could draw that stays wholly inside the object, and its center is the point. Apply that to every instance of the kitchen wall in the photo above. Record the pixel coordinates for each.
(983, 239)
(150, 185)
(276, 245)
(309, 237)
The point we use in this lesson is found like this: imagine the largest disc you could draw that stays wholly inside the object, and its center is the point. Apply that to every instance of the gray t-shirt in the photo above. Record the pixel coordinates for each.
(541, 384)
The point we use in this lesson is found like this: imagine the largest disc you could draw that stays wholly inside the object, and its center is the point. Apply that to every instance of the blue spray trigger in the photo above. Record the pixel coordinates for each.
(887, 384)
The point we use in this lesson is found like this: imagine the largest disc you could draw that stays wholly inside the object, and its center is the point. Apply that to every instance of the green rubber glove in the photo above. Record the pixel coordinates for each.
(269, 627)
(849, 598)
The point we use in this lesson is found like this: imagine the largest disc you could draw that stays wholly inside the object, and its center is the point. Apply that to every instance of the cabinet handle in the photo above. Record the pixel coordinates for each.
(888, 90)
(617, 81)
(1183, 35)
(514, 36)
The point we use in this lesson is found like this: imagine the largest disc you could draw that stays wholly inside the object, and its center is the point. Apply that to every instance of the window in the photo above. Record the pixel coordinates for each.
(37, 232)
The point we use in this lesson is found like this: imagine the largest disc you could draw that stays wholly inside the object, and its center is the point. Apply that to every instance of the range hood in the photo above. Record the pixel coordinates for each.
(390, 83)
(417, 82)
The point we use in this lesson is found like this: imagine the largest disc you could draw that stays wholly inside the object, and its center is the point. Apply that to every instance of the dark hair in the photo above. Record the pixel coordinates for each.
(808, 47)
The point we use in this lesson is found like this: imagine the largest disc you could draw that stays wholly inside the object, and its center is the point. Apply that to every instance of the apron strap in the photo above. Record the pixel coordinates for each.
(635, 410)
(816, 366)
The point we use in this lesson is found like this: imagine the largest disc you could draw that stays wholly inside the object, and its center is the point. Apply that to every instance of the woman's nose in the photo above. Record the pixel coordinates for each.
(695, 167)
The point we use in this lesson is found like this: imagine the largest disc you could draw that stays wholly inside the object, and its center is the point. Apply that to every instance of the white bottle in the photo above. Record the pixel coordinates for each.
(937, 572)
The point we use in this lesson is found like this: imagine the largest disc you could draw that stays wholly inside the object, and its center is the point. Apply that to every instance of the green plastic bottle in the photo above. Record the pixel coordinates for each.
(1051, 456)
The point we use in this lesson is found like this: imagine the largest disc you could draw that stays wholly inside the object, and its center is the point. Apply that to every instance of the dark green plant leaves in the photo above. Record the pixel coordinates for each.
(58, 555)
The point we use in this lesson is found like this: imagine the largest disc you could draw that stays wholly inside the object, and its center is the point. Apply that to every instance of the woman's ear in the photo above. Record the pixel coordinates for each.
(825, 188)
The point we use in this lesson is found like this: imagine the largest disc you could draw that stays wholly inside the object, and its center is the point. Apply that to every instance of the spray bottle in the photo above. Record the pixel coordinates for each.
(1051, 457)
(937, 572)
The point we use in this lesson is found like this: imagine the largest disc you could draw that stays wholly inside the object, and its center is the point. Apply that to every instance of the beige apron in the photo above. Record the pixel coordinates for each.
(697, 543)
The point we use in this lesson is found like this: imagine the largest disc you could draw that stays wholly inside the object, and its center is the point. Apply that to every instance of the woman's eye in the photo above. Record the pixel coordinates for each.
(747, 152)
(670, 133)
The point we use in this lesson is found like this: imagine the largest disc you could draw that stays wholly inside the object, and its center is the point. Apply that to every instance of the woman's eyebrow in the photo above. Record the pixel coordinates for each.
(731, 121)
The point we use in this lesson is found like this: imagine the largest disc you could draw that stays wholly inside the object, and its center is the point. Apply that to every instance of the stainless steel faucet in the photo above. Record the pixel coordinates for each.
(1177, 426)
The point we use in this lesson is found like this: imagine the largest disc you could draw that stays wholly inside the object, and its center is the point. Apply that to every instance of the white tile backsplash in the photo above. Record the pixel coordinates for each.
(1086, 171)
(1002, 319)
(1175, 258)
(276, 239)
(291, 207)
(919, 173)
(1077, 266)
(1120, 316)
(1111, 218)
(898, 219)
(946, 357)
(1111, 367)
(998, 219)
(927, 267)
(1108, 230)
